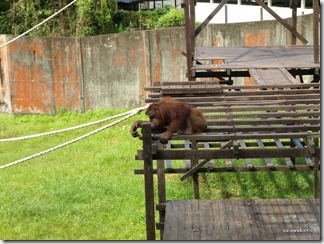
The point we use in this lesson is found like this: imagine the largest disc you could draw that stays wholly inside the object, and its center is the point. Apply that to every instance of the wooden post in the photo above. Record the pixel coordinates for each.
(315, 30)
(195, 176)
(186, 6)
(316, 182)
(161, 189)
(148, 181)
(293, 6)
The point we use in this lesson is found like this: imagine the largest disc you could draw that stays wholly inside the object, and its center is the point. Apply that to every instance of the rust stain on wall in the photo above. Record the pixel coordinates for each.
(44, 75)
(255, 39)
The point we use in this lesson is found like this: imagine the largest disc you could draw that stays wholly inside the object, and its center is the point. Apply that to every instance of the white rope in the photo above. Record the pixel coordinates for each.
(36, 26)
(134, 112)
(66, 129)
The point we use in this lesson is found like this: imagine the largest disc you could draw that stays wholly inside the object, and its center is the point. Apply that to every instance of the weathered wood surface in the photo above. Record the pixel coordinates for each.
(272, 76)
(248, 127)
(289, 57)
(261, 219)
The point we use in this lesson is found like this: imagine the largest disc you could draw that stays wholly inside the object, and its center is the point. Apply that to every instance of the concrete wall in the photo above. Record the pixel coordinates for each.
(41, 74)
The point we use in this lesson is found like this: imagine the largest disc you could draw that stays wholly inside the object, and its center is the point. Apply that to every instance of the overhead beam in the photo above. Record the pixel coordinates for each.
(315, 30)
(209, 18)
(282, 21)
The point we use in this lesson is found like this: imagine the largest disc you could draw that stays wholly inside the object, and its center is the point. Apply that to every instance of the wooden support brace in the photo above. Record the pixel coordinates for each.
(200, 165)
(283, 22)
(209, 18)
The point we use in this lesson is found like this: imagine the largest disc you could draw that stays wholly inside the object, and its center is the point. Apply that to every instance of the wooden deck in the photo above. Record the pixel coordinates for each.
(262, 219)
(263, 57)
(267, 65)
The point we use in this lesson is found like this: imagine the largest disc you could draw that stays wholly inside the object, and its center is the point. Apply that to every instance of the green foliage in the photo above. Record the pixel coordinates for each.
(173, 18)
(94, 18)
(84, 18)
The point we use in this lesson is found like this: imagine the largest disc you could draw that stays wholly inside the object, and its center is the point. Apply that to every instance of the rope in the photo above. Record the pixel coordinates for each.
(64, 130)
(36, 26)
(131, 113)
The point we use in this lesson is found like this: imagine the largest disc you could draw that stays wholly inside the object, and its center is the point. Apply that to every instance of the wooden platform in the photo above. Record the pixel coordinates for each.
(262, 219)
(267, 65)
(264, 57)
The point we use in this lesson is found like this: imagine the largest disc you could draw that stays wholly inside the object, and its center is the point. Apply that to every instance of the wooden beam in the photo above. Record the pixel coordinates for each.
(283, 22)
(315, 31)
(148, 182)
(209, 18)
(293, 6)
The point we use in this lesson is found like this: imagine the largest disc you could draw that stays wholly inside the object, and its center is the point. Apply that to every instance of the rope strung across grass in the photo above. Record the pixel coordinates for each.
(36, 26)
(130, 114)
(64, 130)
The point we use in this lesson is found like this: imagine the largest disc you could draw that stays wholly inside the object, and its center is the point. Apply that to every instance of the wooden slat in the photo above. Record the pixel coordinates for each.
(298, 144)
(287, 160)
(168, 161)
(187, 162)
(247, 160)
(267, 160)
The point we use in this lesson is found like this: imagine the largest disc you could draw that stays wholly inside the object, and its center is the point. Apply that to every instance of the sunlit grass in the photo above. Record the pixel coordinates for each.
(88, 190)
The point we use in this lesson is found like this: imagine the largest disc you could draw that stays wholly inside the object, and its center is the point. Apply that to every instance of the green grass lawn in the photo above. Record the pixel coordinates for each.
(88, 190)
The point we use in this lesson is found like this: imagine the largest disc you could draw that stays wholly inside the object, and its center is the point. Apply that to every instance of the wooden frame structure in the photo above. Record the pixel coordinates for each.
(279, 117)
(244, 122)
(196, 69)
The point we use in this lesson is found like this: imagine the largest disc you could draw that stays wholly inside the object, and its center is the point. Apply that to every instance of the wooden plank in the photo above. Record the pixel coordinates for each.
(224, 221)
(209, 220)
(171, 230)
(299, 208)
(217, 227)
(272, 76)
(252, 223)
(236, 169)
(245, 230)
(195, 222)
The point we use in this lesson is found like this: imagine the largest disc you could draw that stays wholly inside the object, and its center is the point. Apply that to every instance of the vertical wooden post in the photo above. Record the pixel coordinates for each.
(293, 6)
(195, 176)
(148, 181)
(189, 45)
(316, 182)
(315, 30)
(161, 189)
(316, 172)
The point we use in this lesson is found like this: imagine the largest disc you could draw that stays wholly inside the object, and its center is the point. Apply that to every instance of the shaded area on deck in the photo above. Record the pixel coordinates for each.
(260, 219)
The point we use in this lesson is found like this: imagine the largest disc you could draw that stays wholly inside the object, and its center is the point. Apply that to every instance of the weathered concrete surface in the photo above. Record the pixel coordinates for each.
(41, 75)
(115, 69)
